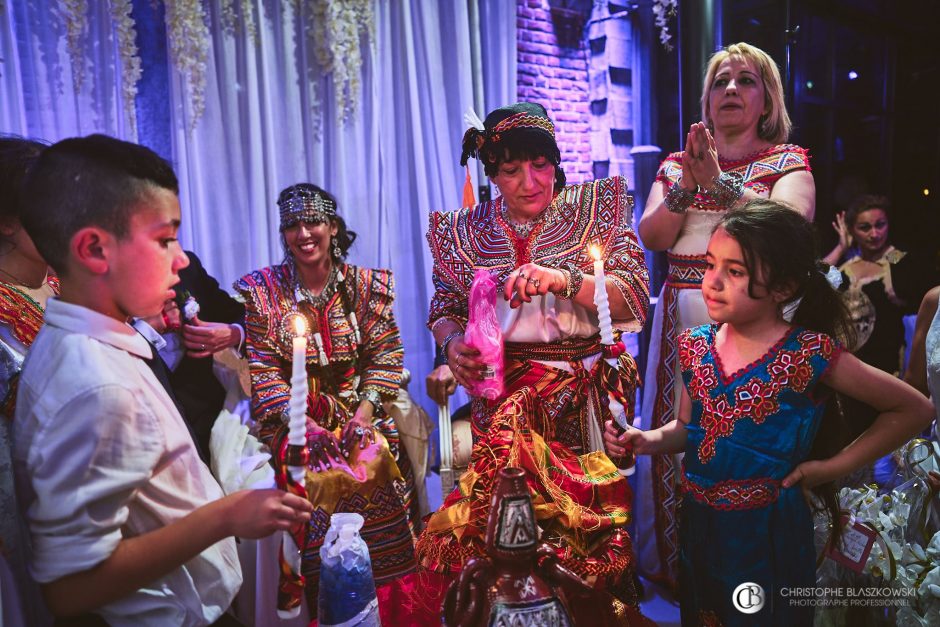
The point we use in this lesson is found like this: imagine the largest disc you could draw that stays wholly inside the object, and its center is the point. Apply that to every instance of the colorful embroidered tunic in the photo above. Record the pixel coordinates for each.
(748, 430)
(597, 213)
(20, 320)
(556, 385)
(372, 484)
(680, 307)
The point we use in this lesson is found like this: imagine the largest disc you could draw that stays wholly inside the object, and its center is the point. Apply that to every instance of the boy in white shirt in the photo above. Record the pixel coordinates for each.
(126, 521)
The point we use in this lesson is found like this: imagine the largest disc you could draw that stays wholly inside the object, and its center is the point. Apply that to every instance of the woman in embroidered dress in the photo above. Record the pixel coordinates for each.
(758, 423)
(738, 153)
(25, 285)
(534, 239)
(881, 285)
(881, 282)
(354, 363)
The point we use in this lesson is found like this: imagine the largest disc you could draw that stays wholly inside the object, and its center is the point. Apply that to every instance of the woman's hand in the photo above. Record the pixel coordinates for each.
(532, 280)
(462, 359)
(703, 165)
(440, 384)
(324, 449)
(842, 229)
(359, 428)
(203, 339)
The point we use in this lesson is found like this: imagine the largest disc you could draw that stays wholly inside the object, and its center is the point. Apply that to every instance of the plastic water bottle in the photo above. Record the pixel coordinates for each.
(347, 590)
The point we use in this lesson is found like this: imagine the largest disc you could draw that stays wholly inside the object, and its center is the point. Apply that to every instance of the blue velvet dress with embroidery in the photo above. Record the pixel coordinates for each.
(747, 432)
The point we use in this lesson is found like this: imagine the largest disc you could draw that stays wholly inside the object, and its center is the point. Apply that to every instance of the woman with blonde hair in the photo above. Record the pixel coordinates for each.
(737, 153)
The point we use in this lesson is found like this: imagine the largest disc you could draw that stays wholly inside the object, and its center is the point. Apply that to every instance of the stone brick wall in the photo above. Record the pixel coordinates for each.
(556, 76)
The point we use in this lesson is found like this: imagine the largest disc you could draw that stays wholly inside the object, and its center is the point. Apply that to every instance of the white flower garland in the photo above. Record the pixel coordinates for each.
(189, 50)
(337, 28)
(126, 33)
(230, 21)
(76, 23)
(664, 10)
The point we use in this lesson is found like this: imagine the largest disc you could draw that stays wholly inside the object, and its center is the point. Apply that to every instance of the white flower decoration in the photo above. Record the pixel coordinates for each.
(190, 308)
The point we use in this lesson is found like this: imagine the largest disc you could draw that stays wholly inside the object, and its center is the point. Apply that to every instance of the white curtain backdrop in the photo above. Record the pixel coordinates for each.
(37, 97)
(391, 164)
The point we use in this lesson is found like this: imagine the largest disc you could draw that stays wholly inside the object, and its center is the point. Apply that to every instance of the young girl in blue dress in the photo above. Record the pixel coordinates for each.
(759, 424)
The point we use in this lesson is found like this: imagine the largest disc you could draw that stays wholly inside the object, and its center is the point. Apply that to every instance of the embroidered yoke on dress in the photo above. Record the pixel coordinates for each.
(748, 430)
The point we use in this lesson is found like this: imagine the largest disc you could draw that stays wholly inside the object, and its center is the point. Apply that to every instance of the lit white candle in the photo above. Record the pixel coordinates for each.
(600, 298)
(297, 426)
(607, 338)
(296, 436)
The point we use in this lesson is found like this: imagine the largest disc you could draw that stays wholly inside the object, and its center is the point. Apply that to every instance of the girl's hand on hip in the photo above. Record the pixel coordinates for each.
(808, 475)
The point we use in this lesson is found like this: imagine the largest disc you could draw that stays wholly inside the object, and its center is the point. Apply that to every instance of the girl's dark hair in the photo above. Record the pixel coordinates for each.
(866, 202)
(779, 248)
(344, 237)
(17, 156)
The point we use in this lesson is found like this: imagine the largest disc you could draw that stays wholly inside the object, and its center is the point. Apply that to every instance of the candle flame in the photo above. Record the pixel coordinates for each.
(596, 253)
(300, 326)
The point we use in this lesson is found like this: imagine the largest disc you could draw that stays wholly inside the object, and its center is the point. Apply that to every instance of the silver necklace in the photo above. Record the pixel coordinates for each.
(321, 299)
(522, 229)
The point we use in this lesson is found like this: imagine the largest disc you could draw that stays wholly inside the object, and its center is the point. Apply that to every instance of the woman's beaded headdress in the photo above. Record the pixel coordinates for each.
(526, 118)
(305, 203)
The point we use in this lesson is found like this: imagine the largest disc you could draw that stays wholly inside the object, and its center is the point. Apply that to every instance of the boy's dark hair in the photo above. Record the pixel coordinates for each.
(779, 247)
(88, 181)
(866, 202)
(17, 155)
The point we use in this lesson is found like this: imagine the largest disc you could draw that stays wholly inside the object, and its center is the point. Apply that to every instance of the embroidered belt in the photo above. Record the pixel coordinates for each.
(685, 271)
(734, 493)
(571, 349)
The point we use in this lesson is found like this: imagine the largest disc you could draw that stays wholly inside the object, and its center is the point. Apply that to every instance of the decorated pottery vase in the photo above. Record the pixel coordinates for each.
(520, 581)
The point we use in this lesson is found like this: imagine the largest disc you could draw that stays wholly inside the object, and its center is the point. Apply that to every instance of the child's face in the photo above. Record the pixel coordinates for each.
(145, 265)
(725, 285)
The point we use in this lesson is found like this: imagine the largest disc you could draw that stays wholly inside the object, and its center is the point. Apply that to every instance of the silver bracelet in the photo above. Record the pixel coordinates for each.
(447, 340)
(728, 187)
(679, 199)
(372, 396)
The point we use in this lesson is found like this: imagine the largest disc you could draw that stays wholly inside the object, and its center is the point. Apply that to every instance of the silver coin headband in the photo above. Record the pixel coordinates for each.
(305, 205)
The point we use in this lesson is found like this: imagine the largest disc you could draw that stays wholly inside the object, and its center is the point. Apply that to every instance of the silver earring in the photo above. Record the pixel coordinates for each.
(336, 251)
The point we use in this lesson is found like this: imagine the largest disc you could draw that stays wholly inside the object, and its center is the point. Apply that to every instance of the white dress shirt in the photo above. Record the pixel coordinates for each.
(101, 454)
